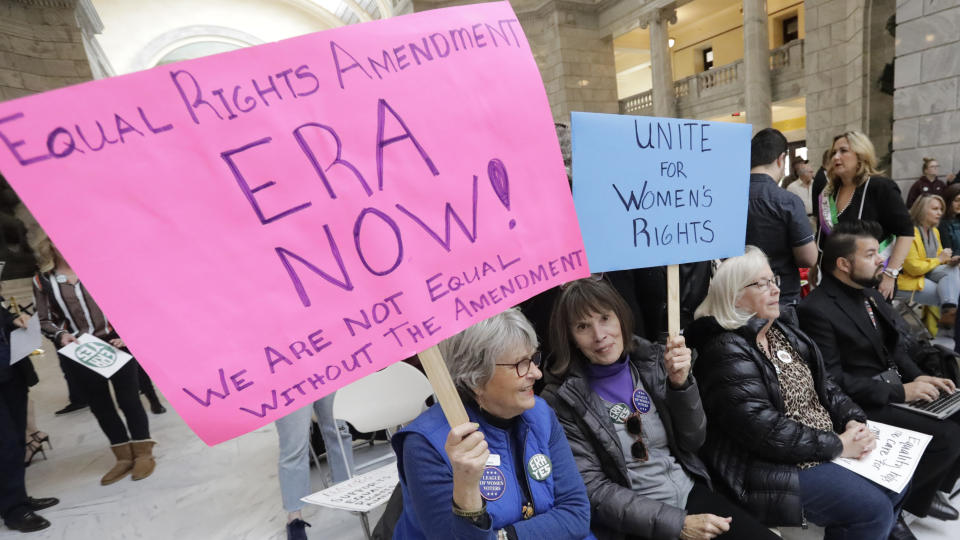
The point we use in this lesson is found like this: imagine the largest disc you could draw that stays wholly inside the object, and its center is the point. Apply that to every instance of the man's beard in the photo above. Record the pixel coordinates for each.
(867, 281)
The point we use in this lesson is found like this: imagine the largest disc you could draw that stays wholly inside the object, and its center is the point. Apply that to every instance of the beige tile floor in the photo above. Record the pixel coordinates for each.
(229, 491)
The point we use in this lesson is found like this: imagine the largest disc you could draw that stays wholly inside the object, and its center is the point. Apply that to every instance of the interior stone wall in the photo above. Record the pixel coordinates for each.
(927, 88)
(40, 47)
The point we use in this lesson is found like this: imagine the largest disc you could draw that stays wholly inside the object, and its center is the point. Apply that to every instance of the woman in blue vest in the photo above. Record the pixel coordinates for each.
(506, 474)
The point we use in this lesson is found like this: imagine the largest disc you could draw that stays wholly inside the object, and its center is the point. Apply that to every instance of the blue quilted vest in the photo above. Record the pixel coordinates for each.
(532, 435)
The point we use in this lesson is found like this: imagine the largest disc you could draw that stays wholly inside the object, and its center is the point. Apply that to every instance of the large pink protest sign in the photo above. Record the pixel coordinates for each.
(267, 225)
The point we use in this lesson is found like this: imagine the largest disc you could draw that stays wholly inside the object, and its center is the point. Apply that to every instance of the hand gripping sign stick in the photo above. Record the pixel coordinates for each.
(432, 362)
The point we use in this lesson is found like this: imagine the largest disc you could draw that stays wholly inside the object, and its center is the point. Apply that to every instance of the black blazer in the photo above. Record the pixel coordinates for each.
(852, 349)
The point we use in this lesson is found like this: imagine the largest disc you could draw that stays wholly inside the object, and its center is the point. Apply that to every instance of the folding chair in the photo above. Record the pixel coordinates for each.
(384, 400)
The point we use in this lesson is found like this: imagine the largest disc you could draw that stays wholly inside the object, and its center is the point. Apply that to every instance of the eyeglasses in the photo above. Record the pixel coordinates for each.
(764, 284)
(635, 427)
(523, 366)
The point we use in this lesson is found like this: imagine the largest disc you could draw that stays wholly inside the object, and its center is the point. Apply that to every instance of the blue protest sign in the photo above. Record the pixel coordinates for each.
(658, 191)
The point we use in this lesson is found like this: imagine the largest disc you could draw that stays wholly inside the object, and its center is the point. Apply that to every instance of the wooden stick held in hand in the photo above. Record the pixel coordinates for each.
(432, 362)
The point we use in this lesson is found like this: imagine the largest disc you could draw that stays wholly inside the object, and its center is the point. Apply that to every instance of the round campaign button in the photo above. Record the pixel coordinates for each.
(492, 484)
(641, 400)
(539, 467)
(619, 413)
(784, 356)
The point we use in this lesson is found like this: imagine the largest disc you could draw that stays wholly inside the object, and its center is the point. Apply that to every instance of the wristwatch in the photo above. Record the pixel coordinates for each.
(891, 272)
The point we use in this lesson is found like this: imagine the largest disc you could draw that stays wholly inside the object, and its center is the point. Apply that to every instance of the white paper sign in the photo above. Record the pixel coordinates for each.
(361, 493)
(892, 462)
(96, 354)
(24, 341)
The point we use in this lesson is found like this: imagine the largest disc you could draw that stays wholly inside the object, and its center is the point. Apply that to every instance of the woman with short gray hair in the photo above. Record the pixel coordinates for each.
(506, 474)
(471, 355)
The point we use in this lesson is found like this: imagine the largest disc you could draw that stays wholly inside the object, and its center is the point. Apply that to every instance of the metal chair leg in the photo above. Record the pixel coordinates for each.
(316, 460)
(366, 524)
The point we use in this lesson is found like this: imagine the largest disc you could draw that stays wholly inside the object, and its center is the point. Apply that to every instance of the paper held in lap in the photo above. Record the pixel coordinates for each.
(361, 493)
(95, 354)
(892, 462)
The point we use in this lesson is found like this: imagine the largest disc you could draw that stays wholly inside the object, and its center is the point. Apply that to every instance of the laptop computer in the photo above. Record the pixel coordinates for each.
(940, 408)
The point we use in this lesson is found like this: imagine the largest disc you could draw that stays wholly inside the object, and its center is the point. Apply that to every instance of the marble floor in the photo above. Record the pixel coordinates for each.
(197, 492)
(229, 491)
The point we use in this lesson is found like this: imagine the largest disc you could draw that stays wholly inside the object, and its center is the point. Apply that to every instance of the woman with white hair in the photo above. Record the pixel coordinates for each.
(506, 474)
(775, 420)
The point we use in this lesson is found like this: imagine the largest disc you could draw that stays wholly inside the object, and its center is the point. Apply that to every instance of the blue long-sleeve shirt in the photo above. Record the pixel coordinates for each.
(562, 510)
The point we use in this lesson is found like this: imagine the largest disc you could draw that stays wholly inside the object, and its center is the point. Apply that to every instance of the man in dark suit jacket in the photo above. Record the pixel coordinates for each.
(16, 508)
(856, 331)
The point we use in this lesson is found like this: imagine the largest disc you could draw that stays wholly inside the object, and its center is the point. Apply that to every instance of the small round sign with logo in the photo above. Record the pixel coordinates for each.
(539, 467)
(641, 400)
(492, 484)
(619, 413)
(96, 355)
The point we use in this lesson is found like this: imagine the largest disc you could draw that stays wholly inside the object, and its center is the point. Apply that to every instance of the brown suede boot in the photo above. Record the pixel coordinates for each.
(143, 463)
(124, 455)
(948, 317)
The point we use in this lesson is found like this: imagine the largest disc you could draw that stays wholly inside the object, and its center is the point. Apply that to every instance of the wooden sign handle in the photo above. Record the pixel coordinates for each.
(673, 300)
(432, 362)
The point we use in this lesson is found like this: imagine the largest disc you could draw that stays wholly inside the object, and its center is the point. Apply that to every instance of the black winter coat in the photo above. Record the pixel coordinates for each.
(600, 456)
(752, 447)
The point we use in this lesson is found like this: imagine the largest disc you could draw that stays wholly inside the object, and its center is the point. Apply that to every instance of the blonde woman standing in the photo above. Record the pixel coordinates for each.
(856, 191)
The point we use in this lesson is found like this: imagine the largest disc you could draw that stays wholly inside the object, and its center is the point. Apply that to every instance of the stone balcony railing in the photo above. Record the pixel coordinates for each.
(720, 90)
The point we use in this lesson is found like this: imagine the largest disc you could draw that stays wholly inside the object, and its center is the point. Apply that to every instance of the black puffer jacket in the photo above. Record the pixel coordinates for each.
(615, 507)
(752, 447)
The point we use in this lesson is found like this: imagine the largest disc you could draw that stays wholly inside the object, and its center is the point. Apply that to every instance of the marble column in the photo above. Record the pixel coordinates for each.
(756, 64)
(575, 57)
(664, 98)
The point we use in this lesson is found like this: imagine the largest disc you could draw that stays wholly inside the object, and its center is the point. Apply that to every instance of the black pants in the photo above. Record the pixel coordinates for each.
(939, 467)
(703, 501)
(146, 385)
(126, 386)
(74, 390)
(13, 425)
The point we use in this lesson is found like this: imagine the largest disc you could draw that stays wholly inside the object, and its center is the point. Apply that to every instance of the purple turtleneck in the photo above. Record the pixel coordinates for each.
(613, 383)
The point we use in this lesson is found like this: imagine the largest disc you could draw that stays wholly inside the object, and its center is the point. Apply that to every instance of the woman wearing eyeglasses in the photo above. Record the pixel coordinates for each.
(633, 417)
(775, 420)
(506, 474)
